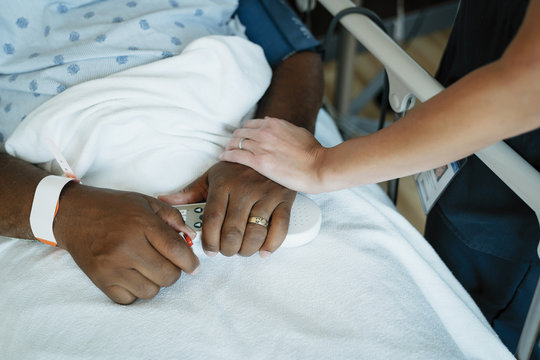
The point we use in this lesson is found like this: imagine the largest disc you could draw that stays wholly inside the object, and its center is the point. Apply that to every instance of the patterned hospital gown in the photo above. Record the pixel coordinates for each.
(47, 46)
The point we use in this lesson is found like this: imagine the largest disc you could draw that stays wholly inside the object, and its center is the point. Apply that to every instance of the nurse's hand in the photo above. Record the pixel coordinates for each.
(234, 193)
(126, 243)
(279, 150)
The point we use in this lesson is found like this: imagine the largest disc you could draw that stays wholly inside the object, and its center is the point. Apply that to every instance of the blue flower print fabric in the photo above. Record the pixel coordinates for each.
(47, 46)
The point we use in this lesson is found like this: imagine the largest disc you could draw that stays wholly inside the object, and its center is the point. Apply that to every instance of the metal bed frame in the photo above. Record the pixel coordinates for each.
(408, 82)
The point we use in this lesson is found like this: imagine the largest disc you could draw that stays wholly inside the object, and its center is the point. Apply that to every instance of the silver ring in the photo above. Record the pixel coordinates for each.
(240, 143)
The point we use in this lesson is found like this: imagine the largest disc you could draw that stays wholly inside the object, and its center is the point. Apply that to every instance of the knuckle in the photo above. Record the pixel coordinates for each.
(133, 223)
(256, 234)
(283, 216)
(167, 211)
(175, 213)
(253, 239)
(104, 255)
(170, 246)
(281, 227)
(284, 198)
(119, 295)
(230, 235)
(277, 123)
(147, 290)
(271, 121)
(170, 277)
(211, 217)
(231, 240)
(266, 134)
(163, 209)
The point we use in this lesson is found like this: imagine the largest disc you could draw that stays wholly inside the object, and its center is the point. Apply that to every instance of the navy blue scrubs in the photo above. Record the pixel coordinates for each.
(485, 234)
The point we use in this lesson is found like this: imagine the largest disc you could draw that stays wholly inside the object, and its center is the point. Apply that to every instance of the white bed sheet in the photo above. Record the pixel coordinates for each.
(368, 287)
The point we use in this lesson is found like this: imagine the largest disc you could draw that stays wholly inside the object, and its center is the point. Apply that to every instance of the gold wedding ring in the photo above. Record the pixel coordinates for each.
(258, 220)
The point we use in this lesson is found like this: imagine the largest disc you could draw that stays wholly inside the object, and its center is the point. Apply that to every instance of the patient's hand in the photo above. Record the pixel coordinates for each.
(234, 193)
(127, 243)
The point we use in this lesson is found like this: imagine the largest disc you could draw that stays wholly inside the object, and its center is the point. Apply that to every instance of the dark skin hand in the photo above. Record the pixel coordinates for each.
(129, 246)
(235, 192)
(243, 193)
(126, 243)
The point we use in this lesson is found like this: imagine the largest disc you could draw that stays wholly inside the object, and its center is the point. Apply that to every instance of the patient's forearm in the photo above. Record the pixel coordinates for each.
(18, 180)
(296, 91)
(495, 102)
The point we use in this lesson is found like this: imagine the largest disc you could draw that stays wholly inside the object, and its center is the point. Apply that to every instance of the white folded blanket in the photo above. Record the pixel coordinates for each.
(117, 131)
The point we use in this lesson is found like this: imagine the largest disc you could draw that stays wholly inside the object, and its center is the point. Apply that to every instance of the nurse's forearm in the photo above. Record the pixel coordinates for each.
(493, 103)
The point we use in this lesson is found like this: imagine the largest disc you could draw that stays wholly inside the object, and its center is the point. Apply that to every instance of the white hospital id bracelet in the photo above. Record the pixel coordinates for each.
(45, 206)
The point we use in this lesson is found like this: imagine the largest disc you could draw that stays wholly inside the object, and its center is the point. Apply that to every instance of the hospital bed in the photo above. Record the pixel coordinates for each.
(367, 287)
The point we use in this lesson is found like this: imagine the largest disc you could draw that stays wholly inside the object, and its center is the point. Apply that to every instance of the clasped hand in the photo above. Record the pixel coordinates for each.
(285, 153)
(233, 194)
(129, 245)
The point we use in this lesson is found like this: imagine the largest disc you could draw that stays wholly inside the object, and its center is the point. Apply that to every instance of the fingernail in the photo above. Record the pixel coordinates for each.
(192, 232)
(196, 271)
(264, 253)
(210, 253)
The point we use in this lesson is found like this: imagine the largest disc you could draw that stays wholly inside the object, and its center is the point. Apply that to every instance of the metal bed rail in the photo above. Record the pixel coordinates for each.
(408, 81)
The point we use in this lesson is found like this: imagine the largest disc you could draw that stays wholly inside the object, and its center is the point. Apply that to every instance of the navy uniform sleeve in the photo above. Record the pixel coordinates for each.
(275, 27)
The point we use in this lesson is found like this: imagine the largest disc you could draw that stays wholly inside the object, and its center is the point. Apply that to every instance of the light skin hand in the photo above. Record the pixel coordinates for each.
(279, 150)
(126, 243)
(492, 103)
(233, 193)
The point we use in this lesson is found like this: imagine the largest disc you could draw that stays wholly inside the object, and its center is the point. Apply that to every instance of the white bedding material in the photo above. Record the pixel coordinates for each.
(368, 287)
(114, 130)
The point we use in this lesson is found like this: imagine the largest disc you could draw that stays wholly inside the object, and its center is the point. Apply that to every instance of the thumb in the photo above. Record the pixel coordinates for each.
(171, 217)
(195, 192)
